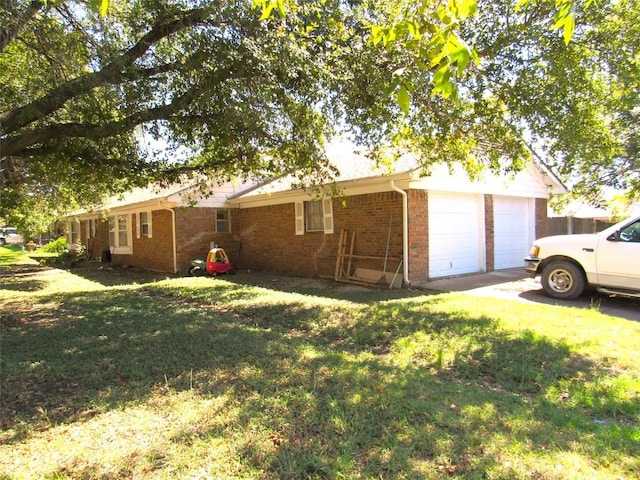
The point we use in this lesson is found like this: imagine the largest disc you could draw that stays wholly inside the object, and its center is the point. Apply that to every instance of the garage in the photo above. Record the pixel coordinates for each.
(456, 234)
(512, 231)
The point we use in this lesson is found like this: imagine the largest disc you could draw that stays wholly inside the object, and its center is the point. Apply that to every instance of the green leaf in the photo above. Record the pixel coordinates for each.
(565, 19)
(463, 61)
(569, 27)
(391, 36)
(99, 6)
(104, 8)
(376, 34)
(414, 30)
(404, 100)
(392, 86)
(266, 11)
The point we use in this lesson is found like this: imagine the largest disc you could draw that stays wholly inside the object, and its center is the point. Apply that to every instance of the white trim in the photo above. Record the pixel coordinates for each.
(327, 215)
(115, 247)
(348, 188)
(139, 224)
(405, 231)
(299, 206)
(71, 245)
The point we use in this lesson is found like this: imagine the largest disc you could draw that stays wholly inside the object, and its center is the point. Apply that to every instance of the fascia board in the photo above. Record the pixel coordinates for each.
(157, 204)
(344, 189)
(552, 182)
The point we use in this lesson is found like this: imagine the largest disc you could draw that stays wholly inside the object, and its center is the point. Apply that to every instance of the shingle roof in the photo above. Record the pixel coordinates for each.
(351, 165)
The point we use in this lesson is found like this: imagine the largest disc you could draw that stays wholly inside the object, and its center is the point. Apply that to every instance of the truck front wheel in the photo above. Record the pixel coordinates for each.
(563, 280)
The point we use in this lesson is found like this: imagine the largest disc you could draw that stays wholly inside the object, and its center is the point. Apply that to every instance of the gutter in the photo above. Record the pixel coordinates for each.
(405, 233)
(175, 245)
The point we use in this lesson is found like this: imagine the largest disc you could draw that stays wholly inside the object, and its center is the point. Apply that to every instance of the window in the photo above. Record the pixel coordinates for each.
(222, 220)
(144, 225)
(74, 228)
(631, 233)
(119, 234)
(313, 219)
(112, 231)
(314, 216)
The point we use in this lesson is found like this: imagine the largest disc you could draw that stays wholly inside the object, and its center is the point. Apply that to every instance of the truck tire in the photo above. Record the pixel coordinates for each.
(563, 280)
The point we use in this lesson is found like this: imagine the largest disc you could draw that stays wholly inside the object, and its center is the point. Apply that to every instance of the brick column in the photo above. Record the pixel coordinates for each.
(418, 206)
(489, 233)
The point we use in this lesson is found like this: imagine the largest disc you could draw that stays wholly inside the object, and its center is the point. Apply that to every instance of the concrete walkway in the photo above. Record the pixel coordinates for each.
(515, 284)
(481, 280)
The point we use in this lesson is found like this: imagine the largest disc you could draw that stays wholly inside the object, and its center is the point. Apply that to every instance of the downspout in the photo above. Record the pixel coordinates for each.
(175, 245)
(405, 233)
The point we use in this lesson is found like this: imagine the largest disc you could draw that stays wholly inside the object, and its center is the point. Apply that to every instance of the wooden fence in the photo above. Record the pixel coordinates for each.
(572, 225)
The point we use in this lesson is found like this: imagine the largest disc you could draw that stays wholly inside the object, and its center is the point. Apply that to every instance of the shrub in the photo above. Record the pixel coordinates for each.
(59, 246)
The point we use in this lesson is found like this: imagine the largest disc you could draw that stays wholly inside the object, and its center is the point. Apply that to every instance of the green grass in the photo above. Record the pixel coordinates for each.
(208, 378)
(11, 255)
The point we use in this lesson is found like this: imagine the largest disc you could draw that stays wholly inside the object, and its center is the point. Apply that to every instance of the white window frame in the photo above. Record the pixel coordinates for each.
(327, 217)
(114, 235)
(73, 237)
(311, 218)
(226, 220)
(149, 224)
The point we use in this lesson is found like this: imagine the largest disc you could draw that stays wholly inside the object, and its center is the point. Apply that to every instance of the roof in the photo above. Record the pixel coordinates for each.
(157, 197)
(357, 173)
(351, 164)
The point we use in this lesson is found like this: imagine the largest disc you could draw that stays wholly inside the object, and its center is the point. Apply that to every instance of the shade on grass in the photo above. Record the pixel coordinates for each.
(199, 378)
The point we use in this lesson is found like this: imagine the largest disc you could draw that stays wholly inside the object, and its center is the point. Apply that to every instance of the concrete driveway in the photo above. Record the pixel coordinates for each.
(514, 284)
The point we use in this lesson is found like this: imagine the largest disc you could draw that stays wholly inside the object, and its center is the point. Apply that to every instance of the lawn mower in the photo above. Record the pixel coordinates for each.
(217, 263)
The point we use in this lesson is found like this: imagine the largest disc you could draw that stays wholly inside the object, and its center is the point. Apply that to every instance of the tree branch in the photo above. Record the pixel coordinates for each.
(114, 73)
(13, 146)
(11, 31)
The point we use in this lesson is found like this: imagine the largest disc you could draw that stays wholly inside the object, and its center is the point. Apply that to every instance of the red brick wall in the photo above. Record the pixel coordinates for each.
(418, 203)
(97, 244)
(196, 229)
(269, 240)
(489, 233)
(264, 238)
(155, 253)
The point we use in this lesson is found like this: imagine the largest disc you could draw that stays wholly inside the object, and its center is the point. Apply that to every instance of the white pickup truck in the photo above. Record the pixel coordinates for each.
(608, 261)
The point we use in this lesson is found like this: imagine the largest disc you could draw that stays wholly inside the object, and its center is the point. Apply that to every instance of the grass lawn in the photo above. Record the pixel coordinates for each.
(116, 374)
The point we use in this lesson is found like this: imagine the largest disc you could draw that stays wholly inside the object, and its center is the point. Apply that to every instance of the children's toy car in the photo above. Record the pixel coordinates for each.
(217, 263)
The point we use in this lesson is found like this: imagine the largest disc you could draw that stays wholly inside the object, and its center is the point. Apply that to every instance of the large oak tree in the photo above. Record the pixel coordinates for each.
(157, 90)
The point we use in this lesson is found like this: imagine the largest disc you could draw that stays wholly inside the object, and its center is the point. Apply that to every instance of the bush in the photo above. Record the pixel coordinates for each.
(59, 246)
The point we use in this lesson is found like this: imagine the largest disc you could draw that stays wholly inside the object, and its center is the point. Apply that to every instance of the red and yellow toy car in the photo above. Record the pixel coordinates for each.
(217, 263)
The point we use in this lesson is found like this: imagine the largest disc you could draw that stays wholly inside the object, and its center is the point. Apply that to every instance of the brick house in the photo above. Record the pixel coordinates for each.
(421, 227)
(160, 229)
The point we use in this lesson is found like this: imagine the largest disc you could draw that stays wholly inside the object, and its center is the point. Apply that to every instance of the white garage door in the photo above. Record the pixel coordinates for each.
(456, 233)
(512, 231)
